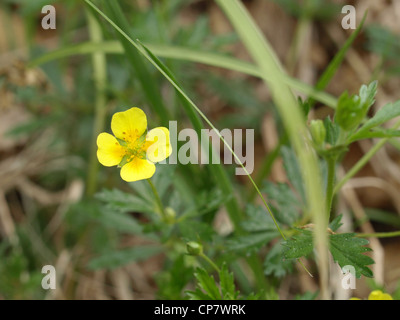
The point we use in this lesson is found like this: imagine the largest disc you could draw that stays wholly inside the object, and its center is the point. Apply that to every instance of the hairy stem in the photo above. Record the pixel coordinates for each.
(158, 199)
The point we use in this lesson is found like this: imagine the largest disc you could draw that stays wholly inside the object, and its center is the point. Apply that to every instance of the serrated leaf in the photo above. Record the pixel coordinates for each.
(192, 230)
(284, 200)
(347, 249)
(298, 246)
(332, 131)
(206, 283)
(386, 113)
(258, 219)
(336, 223)
(124, 202)
(351, 110)
(227, 283)
(197, 295)
(275, 265)
(367, 95)
(120, 222)
(208, 201)
(206, 288)
(111, 260)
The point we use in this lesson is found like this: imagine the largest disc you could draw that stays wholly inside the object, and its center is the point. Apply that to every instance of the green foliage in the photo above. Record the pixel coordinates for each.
(240, 95)
(346, 248)
(117, 200)
(261, 230)
(351, 110)
(110, 260)
(206, 288)
(300, 245)
(18, 280)
(370, 129)
(284, 202)
(275, 264)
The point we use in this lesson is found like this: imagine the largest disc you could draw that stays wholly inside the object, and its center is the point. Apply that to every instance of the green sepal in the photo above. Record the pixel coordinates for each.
(124, 161)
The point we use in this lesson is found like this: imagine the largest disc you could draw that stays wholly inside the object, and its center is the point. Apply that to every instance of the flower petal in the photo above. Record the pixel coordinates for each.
(137, 169)
(379, 295)
(109, 152)
(129, 125)
(159, 146)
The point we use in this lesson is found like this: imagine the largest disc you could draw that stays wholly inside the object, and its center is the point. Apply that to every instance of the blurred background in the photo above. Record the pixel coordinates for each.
(49, 111)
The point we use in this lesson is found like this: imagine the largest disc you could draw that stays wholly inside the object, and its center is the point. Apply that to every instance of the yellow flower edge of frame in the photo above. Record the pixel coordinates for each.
(131, 147)
(377, 295)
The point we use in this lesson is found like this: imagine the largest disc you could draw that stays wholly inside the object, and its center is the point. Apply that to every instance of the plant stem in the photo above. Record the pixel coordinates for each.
(360, 164)
(331, 161)
(379, 234)
(100, 78)
(158, 200)
(210, 262)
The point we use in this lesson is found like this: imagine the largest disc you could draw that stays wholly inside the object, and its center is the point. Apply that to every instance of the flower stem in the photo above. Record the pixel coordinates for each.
(210, 262)
(158, 199)
(331, 161)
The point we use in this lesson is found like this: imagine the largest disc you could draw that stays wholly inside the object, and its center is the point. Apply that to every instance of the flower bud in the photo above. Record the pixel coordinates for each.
(170, 215)
(318, 132)
(194, 248)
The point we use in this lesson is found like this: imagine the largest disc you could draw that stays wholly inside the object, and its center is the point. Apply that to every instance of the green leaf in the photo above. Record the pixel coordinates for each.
(258, 220)
(386, 113)
(227, 283)
(119, 221)
(275, 265)
(252, 242)
(118, 200)
(376, 133)
(284, 200)
(351, 110)
(298, 246)
(111, 260)
(347, 249)
(332, 131)
(206, 287)
(336, 223)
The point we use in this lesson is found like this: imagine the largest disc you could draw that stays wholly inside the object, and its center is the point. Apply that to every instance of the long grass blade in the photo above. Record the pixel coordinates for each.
(186, 54)
(265, 58)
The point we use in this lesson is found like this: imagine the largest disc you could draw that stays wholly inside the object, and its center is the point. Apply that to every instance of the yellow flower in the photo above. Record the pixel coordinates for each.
(133, 148)
(377, 295)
